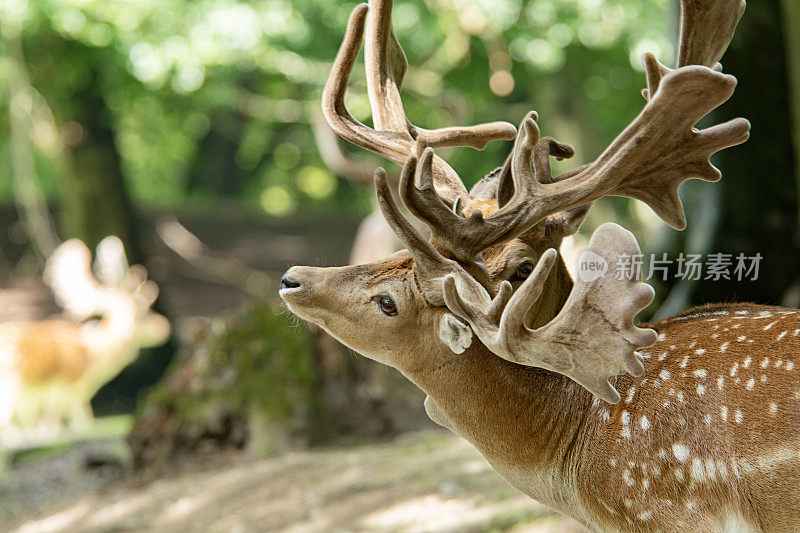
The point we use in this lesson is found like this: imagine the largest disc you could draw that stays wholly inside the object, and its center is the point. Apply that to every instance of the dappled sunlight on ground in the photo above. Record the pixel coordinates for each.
(422, 482)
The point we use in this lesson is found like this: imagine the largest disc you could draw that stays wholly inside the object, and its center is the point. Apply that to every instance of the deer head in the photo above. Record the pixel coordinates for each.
(118, 295)
(438, 294)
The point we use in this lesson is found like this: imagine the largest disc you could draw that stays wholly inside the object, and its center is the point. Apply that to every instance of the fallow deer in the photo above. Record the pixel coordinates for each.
(688, 424)
(51, 369)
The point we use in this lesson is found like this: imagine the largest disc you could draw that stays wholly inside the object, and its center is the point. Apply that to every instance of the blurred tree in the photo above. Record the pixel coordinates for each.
(791, 30)
(205, 98)
(759, 191)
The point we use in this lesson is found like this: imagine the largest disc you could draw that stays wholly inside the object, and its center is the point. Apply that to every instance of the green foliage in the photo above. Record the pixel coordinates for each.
(253, 359)
(269, 356)
(213, 98)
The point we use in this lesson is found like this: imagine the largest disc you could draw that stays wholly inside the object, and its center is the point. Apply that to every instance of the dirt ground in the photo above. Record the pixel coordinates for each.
(429, 481)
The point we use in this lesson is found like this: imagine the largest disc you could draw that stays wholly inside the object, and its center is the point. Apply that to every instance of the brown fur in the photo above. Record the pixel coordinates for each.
(48, 350)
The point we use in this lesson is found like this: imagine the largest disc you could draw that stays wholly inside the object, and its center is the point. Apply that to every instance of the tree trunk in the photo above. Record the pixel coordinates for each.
(791, 30)
(94, 200)
(759, 190)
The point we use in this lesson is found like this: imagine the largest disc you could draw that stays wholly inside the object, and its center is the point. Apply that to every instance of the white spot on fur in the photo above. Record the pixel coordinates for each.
(782, 335)
(765, 362)
(773, 408)
(644, 517)
(751, 383)
(628, 503)
(644, 423)
(723, 412)
(680, 451)
(664, 375)
(734, 369)
(701, 373)
(701, 390)
(631, 393)
(739, 416)
(747, 362)
(769, 326)
(723, 347)
(698, 472)
(626, 475)
(699, 351)
(720, 382)
(722, 469)
(789, 366)
(680, 396)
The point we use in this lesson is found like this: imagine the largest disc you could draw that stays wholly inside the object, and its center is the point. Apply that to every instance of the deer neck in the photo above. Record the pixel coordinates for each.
(528, 423)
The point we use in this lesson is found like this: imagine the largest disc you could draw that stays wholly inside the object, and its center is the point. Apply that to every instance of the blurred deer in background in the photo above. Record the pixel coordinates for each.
(50, 370)
(554, 395)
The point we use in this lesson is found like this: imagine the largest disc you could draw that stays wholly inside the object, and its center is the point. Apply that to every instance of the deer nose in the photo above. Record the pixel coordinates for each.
(289, 283)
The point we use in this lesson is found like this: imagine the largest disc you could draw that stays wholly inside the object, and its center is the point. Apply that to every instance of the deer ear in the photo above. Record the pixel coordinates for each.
(455, 333)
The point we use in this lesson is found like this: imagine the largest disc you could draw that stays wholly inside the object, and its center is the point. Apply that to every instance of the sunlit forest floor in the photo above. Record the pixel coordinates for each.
(429, 481)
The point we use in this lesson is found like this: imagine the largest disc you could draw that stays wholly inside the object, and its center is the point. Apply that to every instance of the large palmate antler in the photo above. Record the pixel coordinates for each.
(648, 161)
(593, 337)
(394, 137)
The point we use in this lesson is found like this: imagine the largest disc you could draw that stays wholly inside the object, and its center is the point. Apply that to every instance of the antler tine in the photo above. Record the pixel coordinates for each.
(394, 137)
(432, 266)
(707, 27)
(393, 146)
(591, 340)
(386, 66)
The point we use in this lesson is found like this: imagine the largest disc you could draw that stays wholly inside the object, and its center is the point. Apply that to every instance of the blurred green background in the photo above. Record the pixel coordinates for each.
(178, 102)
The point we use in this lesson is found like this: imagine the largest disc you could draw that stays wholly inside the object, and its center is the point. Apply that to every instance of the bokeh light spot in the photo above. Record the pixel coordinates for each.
(316, 182)
(277, 201)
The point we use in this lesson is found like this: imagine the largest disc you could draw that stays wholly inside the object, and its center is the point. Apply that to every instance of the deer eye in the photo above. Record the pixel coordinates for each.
(524, 270)
(386, 304)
